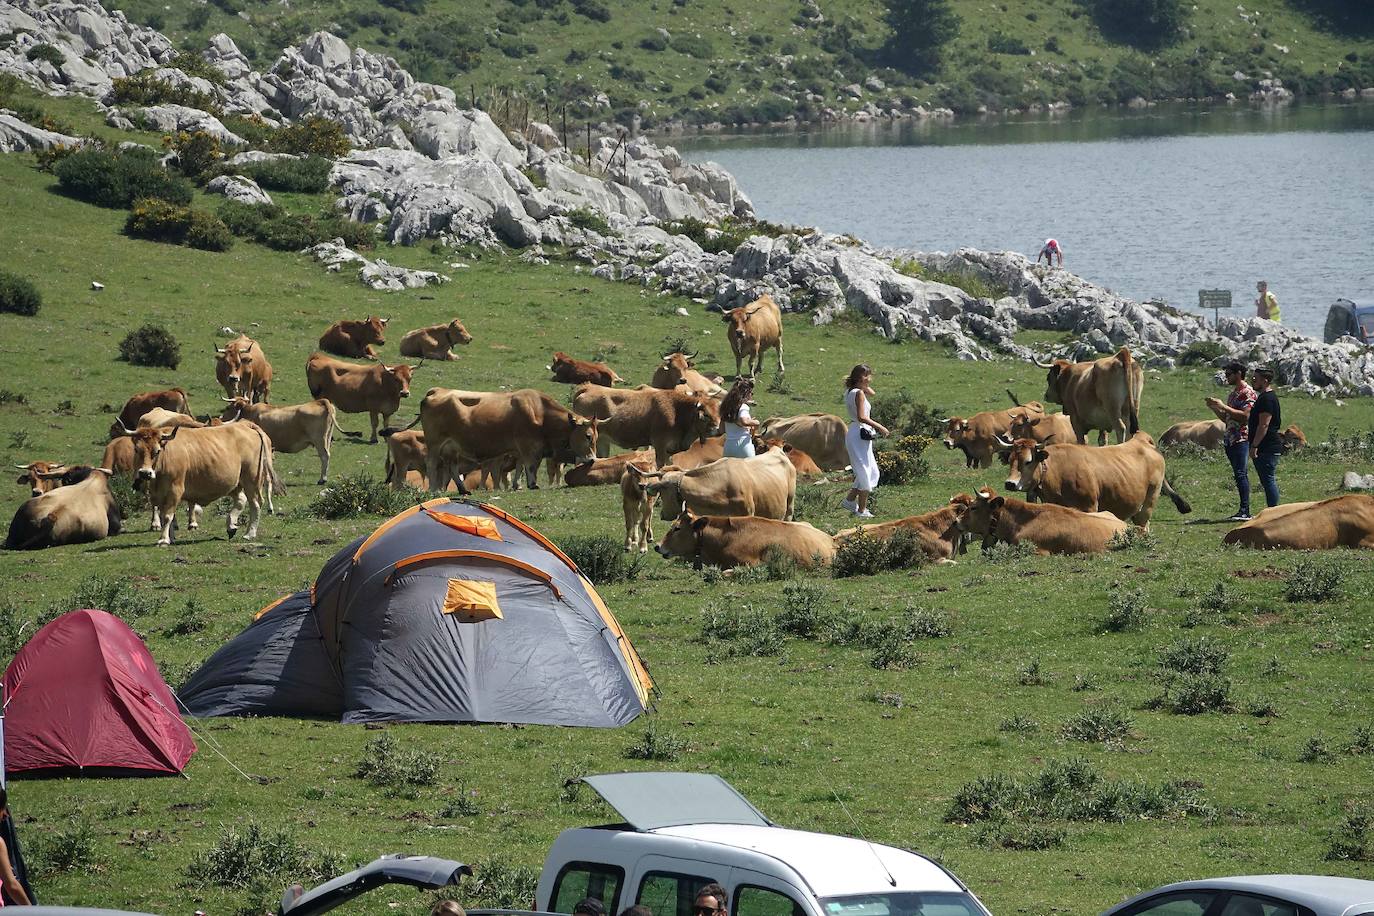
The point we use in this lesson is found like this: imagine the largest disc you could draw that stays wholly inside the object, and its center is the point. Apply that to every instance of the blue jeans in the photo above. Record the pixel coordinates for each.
(1239, 455)
(1266, 464)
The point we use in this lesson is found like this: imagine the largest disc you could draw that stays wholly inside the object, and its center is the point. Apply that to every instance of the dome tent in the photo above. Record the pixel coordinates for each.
(84, 692)
(450, 612)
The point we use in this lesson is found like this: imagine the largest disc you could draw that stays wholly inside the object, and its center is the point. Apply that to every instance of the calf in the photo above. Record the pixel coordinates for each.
(355, 339)
(733, 541)
(1050, 528)
(677, 368)
(576, 371)
(601, 471)
(293, 428)
(79, 510)
(436, 341)
(638, 504)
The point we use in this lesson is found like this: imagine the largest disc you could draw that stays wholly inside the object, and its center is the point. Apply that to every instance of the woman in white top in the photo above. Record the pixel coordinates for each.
(739, 425)
(863, 429)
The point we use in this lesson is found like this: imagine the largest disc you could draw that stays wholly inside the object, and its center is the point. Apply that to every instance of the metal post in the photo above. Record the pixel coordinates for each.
(589, 144)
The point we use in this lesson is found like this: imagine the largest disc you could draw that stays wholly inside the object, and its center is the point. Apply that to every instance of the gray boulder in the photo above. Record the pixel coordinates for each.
(17, 136)
(239, 188)
(441, 131)
(1355, 481)
(172, 118)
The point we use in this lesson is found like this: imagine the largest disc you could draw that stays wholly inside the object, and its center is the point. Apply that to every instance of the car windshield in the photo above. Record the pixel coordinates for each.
(932, 903)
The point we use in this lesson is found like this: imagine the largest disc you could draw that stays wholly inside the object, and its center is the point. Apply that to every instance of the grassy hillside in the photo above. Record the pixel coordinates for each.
(770, 59)
(1025, 668)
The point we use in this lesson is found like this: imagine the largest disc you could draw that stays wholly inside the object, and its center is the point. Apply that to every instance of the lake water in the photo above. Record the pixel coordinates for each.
(1153, 204)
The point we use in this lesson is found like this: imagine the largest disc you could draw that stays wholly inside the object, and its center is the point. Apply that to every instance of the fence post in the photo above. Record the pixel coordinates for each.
(589, 144)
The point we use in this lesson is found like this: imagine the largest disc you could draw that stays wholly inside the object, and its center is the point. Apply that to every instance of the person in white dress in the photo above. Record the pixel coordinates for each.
(863, 429)
(739, 425)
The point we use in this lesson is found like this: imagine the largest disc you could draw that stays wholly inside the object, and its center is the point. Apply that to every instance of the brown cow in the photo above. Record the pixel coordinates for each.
(139, 404)
(765, 486)
(242, 369)
(820, 435)
(1102, 395)
(293, 428)
(669, 421)
(1341, 521)
(576, 371)
(801, 461)
(1292, 439)
(602, 471)
(702, 452)
(405, 452)
(938, 533)
(677, 368)
(201, 466)
(637, 503)
(40, 476)
(1045, 427)
(436, 341)
(977, 436)
(119, 456)
(79, 509)
(478, 427)
(730, 541)
(754, 329)
(375, 390)
(1125, 480)
(1050, 528)
(355, 338)
(1206, 434)
(160, 417)
(407, 464)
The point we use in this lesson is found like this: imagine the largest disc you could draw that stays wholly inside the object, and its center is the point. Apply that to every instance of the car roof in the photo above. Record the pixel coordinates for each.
(831, 865)
(1326, 895)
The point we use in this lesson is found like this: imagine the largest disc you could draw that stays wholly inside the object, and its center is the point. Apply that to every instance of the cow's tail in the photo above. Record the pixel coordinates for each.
(387, 431)
(267, 471)
(1130, 367)
(334, 426)
(185, 401)
(1014, 399)
(1180, 503)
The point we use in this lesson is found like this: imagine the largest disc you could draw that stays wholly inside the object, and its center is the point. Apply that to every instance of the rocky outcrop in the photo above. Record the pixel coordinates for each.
(96, 45)
(174, 118)
(18, 136)
(377, 274)
(239, 188)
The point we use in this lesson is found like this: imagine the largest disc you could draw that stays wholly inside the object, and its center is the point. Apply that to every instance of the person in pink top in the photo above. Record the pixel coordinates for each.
(1236, 414)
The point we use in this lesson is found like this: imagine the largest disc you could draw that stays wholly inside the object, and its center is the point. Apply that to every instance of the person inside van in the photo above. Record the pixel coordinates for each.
(712, 900)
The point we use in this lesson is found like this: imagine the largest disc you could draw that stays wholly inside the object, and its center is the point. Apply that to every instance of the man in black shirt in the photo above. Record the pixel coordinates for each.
(1265, 442)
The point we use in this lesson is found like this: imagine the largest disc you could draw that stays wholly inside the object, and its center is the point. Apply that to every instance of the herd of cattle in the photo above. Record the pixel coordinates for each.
(724, 512)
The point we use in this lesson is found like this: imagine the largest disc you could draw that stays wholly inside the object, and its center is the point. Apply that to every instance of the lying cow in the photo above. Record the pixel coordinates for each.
(669, 421)
(638, 504)
(40, 476)
(1293, 439)
(977, 436)
(242, 369)
(375, 390)
(355, 339)
(602, 471)
(820, 435)
(1342, 521)
(1050, 528)
(753, 330)
(938, 533)
(701, 452)
(677, 368)
(576, 371)
(436, 341)
(292, 428)
(731, 541)
(79, 509)
(1206, 434)
(173, 399)
(1125, 480)
(1103, 394)
(765, 486)
(801, 461)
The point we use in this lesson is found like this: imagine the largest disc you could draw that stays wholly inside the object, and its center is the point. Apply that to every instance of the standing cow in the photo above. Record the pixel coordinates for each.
(977, 436)
(375, 390)
(79, 509)
(669, 421)
(637, 503)
(753, 330)
(242, 369)
(173, 399)
(436, 341)
(1103, 394)
(293, 428)
(355, 339)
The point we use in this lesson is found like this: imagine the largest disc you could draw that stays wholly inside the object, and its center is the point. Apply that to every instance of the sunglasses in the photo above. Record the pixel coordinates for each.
(705, 910)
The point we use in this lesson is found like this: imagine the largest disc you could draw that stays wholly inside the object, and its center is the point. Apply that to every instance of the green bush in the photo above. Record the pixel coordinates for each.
(398, 772)
(296, 231)
(309, 175)
(1201, 353)
(594, 10)
(804, 610)
(655, 42)
(1125, 610)
(1353, 840)
(245, 219)
(66, 850)
(1145, 24)
(208, 232)
(602, 558)
(496, 884)
(862, 554)
(656, 744)
(117, 178)
(161, 221)
(904, 416)
(1317, 579)
(146, 88)
(312, 136)
(197, 152)
(18, 295)
(359, 494)
(902, 461)
(587, 218)
(696, 46)
(1000, 43)
(252, 857)
(740, 630)
(50, 53)
(150, 345)
(1097, 725)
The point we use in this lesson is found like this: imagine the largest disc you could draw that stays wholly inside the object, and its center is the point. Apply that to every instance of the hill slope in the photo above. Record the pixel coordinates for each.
(703, 61)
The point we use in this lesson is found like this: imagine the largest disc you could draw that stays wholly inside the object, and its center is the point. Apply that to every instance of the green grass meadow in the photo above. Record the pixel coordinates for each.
(796, 731)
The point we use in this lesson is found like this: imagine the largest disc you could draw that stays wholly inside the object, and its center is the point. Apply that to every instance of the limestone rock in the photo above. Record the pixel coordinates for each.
(17, 136)
(239, 188)
(172, 118)
(377, 274)
(1355, 481)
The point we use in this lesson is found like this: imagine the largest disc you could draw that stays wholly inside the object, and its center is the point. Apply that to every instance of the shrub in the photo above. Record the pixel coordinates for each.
(1017, 836)
(70, 849)
(1202, 353)
(1145, 24)
(1362, 742)
(1314, 750)
(602, 558)
(1133, 538)
(312, 136)
(118, 178)
(359, 494)
(747, 630)
(158, 220)
(150, 345)
(1353, 840)
(1316, 579)
(116, 596)
(50, 53)
(655, 42)
(1019, 723)
(398, 772)
(966, 280)
(1125, 610)
(1000, 43)
(902, 461)
(694, 46)
(48, 158)
(892, 650)
(190, 619)
(1006, 553)
(923, 623)
(18, 295)
(860, 554)
(146, 88)
(804, 610)
(885, 698)
(587, 218)
(254, 857)
(128, 501)
(904, 416)
(308, 175)
(1100, 724)
(497, 884)
(594, 10)
(208, 232)
(245, 219)
(197, 152)
(292, 232)
(656, 744)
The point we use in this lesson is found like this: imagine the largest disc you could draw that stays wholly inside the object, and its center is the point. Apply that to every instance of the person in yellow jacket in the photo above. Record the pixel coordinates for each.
(1266, 303)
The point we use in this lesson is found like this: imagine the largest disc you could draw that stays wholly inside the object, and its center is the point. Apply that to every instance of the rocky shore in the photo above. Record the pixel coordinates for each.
(426, 169)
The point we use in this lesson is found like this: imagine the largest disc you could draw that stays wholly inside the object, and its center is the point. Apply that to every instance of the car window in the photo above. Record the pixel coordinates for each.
(760, 901)
(577, 880)
(1183, 903)
(669, 893)
(1246, 905)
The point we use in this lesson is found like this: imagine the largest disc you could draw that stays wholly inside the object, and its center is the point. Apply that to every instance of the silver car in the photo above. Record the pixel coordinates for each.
(1254, 895)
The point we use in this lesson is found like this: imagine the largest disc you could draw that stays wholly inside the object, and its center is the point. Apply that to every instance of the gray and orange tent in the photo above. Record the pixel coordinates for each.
(450, 612)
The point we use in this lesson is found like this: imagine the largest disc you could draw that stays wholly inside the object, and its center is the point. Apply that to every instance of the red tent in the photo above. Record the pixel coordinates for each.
(84, 692)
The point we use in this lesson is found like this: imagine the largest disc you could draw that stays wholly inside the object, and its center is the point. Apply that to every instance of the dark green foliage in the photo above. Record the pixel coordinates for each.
(150, 345)
(1145, 24)
(1017, 836)
(696, 46)
(1192, 673)
(740, 630)
(1202, 353)
(1347, 17)
(1000, 43)
(312, 136)
(594, 10)
(395, 770)
(587, 218)
(196, 152)
(1353, 840)
(1099, 724)
(892, 650)
(68, 849)
(50, 53)
(193, 64)
(192, 618)
(654, 42)
(1315, 750)
(208, 233)
(18, 295)
(901, 461)
(197, 18)
(414, 7)
(253, 857)
(862, 554)
(602, 558)
(656, 744)
(118, 178)
(497, 884)
(131, 503)
(920, 31)
(296, 231)
(359, 494)
(163, 222)
(1019, 724)
(309, 175)
(146, 88)
(1125, 610)
(904, 416)
(1317, 579)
